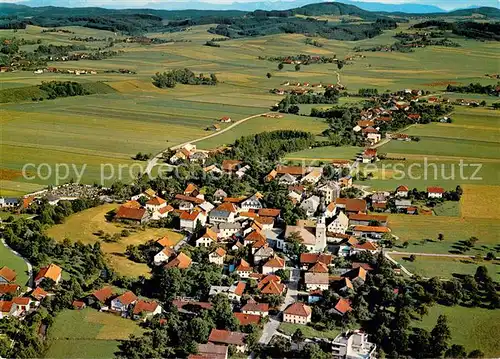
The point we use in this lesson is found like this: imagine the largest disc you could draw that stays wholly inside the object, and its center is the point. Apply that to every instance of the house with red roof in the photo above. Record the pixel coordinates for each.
(144, 309)
(247, 319)
(123, 303)
(126, 213)
(356, 275)
(100, 297)
(188, 220)
(273, 264)
(225, 119)
(435, 192)
(163, 256)
(342, 307)
(243, 269)
(226, 337)
(272, 288)
(51, 271)
(7, 275)
(402, 191)
(217, 256)
(254, 308)
(297, 313)
(207, 239)
(309, 259)
(182, 261)
(373, 232)
(39, 294)
(11, 289)
(5, 308)
(362, 219)
(155, 204)
(351, 205)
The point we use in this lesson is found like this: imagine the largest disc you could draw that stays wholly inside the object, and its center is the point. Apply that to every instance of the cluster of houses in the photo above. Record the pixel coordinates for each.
(69, 71)
(14, 302)
(189, 153)
(301, 88)
(404, 204)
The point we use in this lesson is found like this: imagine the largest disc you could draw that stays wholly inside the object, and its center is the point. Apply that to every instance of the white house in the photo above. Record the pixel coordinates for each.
(315, 281)
(145, 310)
(124, 302)
(401, 191)
(217, 256)
(252, 202)
(163, 256)
(310, 205)
(155, 204)
(338, 223)
(188, 220)
(9, 202)
(435, 192)
(297, 313)
(273, 264)
(254, 308)
(207, 239)
(224, 213)
(353, 345)
(330, 190)
(233, 292)
(226, 230)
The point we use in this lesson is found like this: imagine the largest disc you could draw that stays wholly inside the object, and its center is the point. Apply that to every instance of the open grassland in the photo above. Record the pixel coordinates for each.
(480, 201)
(446, 268)
(88, 334)
(9, 259)
(422, 232)
(83, 226)
(327, 153)
(308, 331)
(138, 117)
(474, 328)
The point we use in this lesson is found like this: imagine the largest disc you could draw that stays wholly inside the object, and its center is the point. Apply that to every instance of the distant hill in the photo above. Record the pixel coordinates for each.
(491, 12)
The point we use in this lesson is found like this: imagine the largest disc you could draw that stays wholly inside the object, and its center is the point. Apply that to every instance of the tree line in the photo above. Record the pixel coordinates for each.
(183, 76)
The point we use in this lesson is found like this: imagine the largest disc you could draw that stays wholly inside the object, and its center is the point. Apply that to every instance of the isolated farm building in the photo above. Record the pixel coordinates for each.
(9, 202)
(225, 119)
(297, 313)
(402, 191)
(126, 213)
(435, 192)
(52, 271)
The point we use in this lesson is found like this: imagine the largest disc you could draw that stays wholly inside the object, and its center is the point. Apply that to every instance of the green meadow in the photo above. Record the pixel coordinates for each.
(138, 117)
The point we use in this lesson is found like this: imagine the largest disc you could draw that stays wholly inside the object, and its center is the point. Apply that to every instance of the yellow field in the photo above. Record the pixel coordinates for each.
(83, 225)
(480, 201)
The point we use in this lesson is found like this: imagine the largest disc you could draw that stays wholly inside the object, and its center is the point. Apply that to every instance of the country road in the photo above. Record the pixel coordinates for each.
(153, 161)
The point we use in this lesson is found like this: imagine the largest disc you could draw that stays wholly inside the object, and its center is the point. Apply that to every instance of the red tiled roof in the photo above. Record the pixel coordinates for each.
(273, 288)
(243, 266)
(240, 288)
(230, 165)
(343, 306)
(21, 300)
(78, 304)
(368, 246)
(265, 220)
(367, 217)
(168, 208)
(131, 204)
(292, 170)
(209, 233)
(195, 200)
(402, 188)
(359, 272)
(182, 261)
(267, 279)
(370, 152)
(52, 271)
(103, 294)
(220, 252)
(375, 229)
(156, 201)
(246, 319)
(144, 306)
(226, 337)
(319, 267)
(39, 293)
(310, 258)
(127, 298)
(255, 236)
(252, 306)
(435, 190)
(275, 262)
(234, 199)
(191, 187)
(5, 306)
(9, 288)
(130, 213)
(352, 204)
(365, 266)
(189, 216)
(227, 207)
(299, 309)
(165, 241)
(269, 212)
(8, 274)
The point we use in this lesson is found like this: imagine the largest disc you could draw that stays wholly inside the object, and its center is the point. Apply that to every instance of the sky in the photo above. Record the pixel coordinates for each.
(445, 4)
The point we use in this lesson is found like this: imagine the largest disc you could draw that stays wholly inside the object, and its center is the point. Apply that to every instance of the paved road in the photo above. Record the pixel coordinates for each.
(153, 161)
(271, 327)
(28, 264)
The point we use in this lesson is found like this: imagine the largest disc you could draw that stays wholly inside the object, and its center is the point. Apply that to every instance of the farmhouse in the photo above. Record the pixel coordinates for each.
(182, 261)
(366, 219)
(123, 303)
(226, 337)
(217, 256)
(145, 310)
(435, 192)
(126, 213)
(52, 272)
(7, 275)
(225, 119)
(298, 313)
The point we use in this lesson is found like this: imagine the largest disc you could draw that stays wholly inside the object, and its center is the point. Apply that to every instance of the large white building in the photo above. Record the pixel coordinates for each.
(353, 345)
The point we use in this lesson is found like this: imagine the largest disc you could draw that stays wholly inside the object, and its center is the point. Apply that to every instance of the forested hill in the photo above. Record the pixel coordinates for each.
(326, 8)
(484, 11)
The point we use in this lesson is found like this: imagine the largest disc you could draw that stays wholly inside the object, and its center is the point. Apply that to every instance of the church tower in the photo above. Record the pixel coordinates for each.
(321, 228)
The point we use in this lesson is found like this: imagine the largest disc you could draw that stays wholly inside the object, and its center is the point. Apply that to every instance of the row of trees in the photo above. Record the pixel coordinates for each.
(474, 88)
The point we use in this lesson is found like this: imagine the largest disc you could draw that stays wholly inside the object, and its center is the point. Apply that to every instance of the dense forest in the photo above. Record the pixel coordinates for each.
(469, 29)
